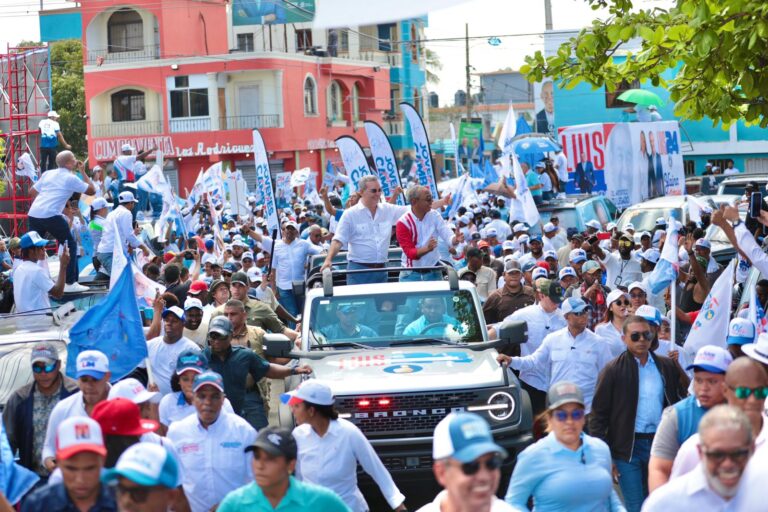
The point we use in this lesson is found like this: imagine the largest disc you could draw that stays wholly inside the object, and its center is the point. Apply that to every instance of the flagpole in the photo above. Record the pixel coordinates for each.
(672, 306)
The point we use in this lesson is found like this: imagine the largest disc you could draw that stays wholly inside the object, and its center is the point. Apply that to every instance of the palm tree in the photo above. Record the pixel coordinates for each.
(433, 65)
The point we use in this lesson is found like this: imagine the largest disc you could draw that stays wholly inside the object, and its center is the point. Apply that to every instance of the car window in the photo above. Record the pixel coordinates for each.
(587, 211)
(568, 217)
(735, 188)
(377, 320)
(602, 213)
(644, 219)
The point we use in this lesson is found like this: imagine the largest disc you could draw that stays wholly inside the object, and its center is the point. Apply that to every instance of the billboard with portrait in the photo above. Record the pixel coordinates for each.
(272, 12)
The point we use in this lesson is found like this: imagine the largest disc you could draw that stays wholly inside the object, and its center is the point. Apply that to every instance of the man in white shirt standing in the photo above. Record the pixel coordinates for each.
(621, 267)
(50, 137)
(31, 283)
(288, 262)
(211, 446)
(164, 350)
(120, 219)
(50, 194)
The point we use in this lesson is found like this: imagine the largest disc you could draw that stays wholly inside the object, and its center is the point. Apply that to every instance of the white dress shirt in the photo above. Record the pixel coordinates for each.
(367, 235)
(689, 492)
(431, 226)
(331, 461)
(31, 287)
(540, 324)
(124, 219)
(163, 357)
(437, 505)
(53, 189)
(578, 360)
(213, 459)
(71, 407)
(620, 272)
(749, 247)
(290, 259)
(174, 407)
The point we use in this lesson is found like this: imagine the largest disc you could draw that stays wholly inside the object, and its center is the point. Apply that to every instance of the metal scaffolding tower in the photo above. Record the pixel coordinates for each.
(25, 99)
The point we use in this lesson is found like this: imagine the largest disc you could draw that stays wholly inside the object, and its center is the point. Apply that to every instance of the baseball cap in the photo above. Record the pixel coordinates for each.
(573, 305)
(312, 391)
(614, 296)
(637, 285)
(508, 245)
(192, 303)
(661, 222)
(711, 358)
(550, 254)
(248, 255)
(528, 265)
(523, 239)
(197, 287)
(651, 255)
(100, 203)
(254, 275)
(565, 272)
(591, 266)
(758, 350)
(77, 435)
(520, 228)
(491, 232)
(277, 441)
(240, 278)
(91, 363)
(146, 464)
(551, 289)
(126, 196)
(209, 244)
(32, 239)
(208, 378)
(174, 310)
(122, 417)
(629, 226)
(704, 243)
(221, 325)
(463, 436)
(536, 237)
(539, 273)
(740, 332)
(482, 244)
(549, 227)
(512, 266)
(134, 391)
(167, 257)
(230, 267)
(649, 313)
(126, 147)
(215, 284)
(645, 234)
(291, 224)
(191, 360)
(44, 353)
(577, 255)
(562, 393)
(53, 113)
(594, 224)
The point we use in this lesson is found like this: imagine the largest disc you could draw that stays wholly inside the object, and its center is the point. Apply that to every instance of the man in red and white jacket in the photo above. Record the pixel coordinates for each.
(417, 233)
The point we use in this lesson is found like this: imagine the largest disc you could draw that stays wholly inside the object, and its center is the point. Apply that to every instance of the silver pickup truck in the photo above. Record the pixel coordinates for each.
(400, 356)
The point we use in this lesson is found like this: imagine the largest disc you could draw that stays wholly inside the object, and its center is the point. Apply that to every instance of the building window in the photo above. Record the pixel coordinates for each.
(128, 105)
(394, 101)
(245, 42)
(334, 102)
(414, 44)
(186, 102)
(355, 103)
(386, 36)
(611, 98)
(125, 31)
(344, 40)
(417, 102)
(310, 96)
(303, 39)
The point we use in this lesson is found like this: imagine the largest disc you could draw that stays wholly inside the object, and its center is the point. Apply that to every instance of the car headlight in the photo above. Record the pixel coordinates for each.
(500, 406)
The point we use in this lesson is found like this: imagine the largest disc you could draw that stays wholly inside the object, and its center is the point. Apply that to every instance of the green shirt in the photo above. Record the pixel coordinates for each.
(532, 179)
(300, 497)
(239, 363)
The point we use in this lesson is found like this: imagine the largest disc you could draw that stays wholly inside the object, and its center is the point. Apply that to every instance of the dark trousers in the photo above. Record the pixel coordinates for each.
(58, 228)
(48, 159)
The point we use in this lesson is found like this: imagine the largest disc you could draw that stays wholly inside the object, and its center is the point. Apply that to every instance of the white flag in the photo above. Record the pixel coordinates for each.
(146, 289)
(299, 177)
(26, 167)
(528, 206)
(264, 182)
(711, 326)
(508, 131)
(119, 260)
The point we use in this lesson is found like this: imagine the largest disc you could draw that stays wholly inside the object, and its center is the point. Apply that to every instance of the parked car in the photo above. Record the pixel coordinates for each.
(643, 216)
(703, 184)
(577, 210)
(735, 184)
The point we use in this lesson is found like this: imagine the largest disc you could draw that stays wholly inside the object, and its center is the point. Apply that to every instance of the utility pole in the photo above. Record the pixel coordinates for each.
(469, 93)
(548, 14)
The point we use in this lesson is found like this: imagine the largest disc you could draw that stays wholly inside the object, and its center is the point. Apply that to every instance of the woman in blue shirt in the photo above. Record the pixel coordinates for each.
(567, 470)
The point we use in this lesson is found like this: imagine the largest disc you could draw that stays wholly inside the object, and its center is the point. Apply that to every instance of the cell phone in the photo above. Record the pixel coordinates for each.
(755, 204)
(592, 240)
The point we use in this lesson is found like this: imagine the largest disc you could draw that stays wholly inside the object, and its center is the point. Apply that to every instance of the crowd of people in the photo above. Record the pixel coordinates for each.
(626, 419)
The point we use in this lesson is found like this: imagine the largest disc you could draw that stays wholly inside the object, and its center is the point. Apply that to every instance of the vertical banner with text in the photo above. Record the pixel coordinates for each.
(264, 182)
(384, 159)
(425, 170)
(354, 159)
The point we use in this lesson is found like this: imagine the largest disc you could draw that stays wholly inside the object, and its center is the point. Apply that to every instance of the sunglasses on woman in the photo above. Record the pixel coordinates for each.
(492, 464)
(624, 303)
(646, 335)
(743, 392)
(562, 416)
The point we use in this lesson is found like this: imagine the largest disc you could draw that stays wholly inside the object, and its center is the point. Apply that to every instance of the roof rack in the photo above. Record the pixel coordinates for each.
(450, 272)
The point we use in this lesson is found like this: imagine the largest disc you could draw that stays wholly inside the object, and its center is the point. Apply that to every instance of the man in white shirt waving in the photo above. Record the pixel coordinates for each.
(288, 264)
(32, 284)
(120, 219)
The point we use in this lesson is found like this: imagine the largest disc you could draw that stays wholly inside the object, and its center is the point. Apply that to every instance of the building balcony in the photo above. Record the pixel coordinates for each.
(189, 124)
(394, 127)
(107, 55)
(126, 128)
(249, 122)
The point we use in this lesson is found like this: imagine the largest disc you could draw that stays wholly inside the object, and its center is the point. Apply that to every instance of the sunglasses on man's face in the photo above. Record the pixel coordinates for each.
(718, 456)
(492, 464)
(646, 335)
(743, 392)
(48, 368)
(137, 494)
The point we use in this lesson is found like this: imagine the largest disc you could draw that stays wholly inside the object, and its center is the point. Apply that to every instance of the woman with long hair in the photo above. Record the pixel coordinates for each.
(610, 329)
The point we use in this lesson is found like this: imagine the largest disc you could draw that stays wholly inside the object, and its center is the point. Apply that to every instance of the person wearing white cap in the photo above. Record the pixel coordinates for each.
(125, 163)
(288, 262)
(195, 325)
(119, 223)
(593, 226)
(81, 454)
(552, 241)
(680, 421)
(135, 391)
(50, 138)
(99, 211)
(610, 329)
(92, 375)
(50, 194)
(703, 248)
(320, 433)
(630, 396)
(621, 267)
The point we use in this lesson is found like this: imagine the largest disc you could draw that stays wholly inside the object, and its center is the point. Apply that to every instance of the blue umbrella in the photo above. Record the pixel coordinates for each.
(532, 148)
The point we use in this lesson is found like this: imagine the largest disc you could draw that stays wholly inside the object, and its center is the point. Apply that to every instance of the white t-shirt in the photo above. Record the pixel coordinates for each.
(163, 357)
(53, 189)
(31, 285)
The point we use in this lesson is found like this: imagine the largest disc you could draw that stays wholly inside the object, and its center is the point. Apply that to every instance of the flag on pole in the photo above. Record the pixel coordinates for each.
(508, 131)
(425, 170)
(522, 126)
(113, 327)
(264, 182)
(299, 177)
(756, 314)
(528, 208)
(384, 160)
(711, 325)
(666, 269)
(329, 177)
(26, 167)
(354, 159)
(119, 260)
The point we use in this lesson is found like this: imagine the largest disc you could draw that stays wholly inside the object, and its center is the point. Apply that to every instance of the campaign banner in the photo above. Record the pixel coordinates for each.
(272, 12)
(628, 162)
(425, 170)
(354, 159)
(283, 189)
(384, 159)
(264, 182)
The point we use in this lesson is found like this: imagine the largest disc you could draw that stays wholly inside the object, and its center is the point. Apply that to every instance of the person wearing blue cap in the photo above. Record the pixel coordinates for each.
(32, 285)
(119, 223)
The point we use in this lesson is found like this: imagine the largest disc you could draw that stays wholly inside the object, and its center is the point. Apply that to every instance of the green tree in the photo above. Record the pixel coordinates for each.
(718, 48)
(433, 65)
(69, 92)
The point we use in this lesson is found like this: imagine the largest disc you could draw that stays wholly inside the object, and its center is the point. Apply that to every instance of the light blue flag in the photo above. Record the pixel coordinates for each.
(112, 327)
(490, 174)
(15, 480)
(666, 269)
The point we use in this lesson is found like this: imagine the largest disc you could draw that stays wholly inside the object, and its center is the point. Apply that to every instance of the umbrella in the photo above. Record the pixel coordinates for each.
(531, 147)
(641, 97)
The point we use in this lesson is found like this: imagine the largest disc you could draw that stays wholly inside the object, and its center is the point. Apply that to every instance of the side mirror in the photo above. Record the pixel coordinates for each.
(277, 345)
(513, 332)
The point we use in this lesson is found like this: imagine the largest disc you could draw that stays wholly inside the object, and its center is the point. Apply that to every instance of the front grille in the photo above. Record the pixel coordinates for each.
(412, 414)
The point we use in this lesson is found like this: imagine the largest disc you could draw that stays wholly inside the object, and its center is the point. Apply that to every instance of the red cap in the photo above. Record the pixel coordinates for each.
(482, 244)
(122, 417)
(168, 257)
(543, 264)
(197, 287)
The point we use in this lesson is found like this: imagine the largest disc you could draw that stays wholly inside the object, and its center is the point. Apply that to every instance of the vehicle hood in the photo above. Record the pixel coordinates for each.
(409, 369)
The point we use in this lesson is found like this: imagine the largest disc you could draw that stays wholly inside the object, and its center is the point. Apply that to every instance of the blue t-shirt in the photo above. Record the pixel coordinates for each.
(532, 179)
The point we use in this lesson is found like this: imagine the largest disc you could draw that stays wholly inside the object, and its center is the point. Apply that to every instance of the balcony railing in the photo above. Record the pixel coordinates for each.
(99, 56)
(190, 124)
(394, 127)
(249, 122)
(124, 128)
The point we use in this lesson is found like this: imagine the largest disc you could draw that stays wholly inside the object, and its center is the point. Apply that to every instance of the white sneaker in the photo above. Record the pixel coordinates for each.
(75, 288)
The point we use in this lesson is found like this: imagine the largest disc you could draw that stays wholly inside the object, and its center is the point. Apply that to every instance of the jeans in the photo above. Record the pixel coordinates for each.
(288, 301)
(633, 475)
(48, 159)
(57, 226)
(143, 198)
(411, 276)
(253, 410)
(105, 258)
(375, 276)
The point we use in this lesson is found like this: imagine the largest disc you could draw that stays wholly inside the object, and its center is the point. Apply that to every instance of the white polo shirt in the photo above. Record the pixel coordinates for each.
(331, 461)
(123, 219)
(290, 259)
(213, 459)
(31, 287)
(163, 357)
(174, 407)
(437, 505)
(689, 492)
(53, 189)
(368, 235)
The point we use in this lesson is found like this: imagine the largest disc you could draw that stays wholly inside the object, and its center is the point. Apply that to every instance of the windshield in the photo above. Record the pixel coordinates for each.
(567, 216)
(732, 188)
(644, 219)
(379, 320)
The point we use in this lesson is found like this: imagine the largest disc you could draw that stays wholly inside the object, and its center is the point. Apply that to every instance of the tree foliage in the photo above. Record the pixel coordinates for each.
(433, 66)
(719, 48)
(69, 92)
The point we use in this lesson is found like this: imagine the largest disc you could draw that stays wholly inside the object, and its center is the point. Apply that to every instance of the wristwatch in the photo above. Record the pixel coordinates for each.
(293, 370)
